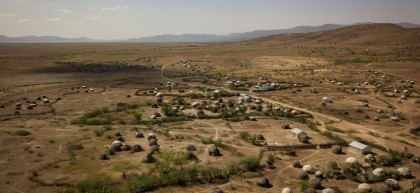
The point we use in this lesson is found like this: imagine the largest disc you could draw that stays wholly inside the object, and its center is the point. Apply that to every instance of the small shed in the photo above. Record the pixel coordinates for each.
(360, 147)
(296, 133)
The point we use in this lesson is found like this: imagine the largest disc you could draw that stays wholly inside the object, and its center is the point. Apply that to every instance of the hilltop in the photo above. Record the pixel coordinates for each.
(358, 35)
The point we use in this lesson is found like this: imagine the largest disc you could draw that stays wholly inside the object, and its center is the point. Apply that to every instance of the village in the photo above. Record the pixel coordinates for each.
(228, 117)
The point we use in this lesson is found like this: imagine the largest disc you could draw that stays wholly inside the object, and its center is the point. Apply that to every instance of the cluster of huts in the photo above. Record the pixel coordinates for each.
(31, 104)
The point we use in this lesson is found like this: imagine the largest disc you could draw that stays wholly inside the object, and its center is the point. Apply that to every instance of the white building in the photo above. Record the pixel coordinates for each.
(296, 133)
(360, 147)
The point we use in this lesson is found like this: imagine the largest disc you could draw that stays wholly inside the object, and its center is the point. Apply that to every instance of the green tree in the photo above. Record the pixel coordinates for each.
(124, 167)
(170, 159)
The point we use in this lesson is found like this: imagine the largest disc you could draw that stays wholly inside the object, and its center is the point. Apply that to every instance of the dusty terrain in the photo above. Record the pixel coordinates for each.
(364, 76)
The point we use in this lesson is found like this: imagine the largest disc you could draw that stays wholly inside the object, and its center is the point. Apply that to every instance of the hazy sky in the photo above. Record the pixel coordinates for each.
(121, 19)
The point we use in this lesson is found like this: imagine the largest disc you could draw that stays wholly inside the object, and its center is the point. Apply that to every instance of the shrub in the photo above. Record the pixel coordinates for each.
(250, 163)
(94, 185)
(93, 113)
(145, 182)
(98, 132)
(22, 133)
(213, 174)
(304, 185)
(388, 159)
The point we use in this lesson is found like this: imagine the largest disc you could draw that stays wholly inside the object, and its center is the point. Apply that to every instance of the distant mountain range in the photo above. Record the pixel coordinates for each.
(233, 37)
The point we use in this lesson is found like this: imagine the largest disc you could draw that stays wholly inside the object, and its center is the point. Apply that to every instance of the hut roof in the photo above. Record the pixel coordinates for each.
(287, 190)
(297, 131)
(351, 160)
(357, 145)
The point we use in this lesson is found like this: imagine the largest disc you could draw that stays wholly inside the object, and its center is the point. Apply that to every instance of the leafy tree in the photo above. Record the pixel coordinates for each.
(169, 159)
(124, 167)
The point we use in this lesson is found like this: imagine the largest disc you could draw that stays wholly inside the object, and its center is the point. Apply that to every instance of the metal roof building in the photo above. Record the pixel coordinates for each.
(360, 147)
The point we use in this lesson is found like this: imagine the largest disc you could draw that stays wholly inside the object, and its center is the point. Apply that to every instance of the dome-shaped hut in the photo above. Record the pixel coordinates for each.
(154, 149)
(287, 190)
(336, 149)
(216, 190)
(151, 136)
(296, 164)
(351, 160)
(139, 134)
(319, 174)
(404, 172)
(136, 148)
(364, 188)
(380, 172)
(190, 147)
(263, 182)
(153, 142)
(303, 175)
(314, 183)
(148, 158)
(328, 190)
(309, 169)
(393, 184)
(214, 151)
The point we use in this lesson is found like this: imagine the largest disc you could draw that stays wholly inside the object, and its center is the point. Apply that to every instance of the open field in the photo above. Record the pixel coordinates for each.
(63, 105)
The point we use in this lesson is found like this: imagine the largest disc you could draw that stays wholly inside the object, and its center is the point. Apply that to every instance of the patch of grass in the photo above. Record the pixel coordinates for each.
(22, 133)
(406, 142)
(95, 185)
(98, 132)
(335, 138)
(304, 185)
(374, 134)
(252, 139)
(334, 129)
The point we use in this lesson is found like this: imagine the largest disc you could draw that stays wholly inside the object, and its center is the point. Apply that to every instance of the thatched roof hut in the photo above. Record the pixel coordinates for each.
(364, 188)
(404, 172)
(370, 158)
(319, 174)
(336, 149)
(303, 138)
(136, 148)
(116, 146)
(200, 112)
(303, 175)
(309, 169)
(285, 126)
(148, 158)
(310, 190)
(103, 157)
(263, 182)
(351, 160)
(296, 164)
(252, 118)
(126, 147)
(190, 147)
(314, 183)
(151, 136)
(328, 190)
(153, 149)
(287, 190)
(393, 184)
(214, 151)
(260, 136)
(380, 172)
(216, 190)
(153, 142)
(120, 138)
(139, 134)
